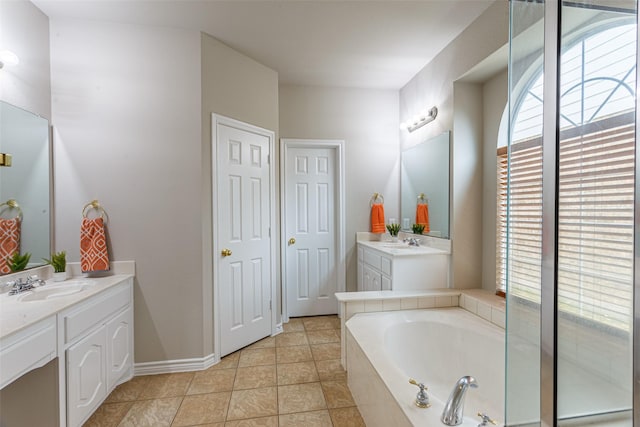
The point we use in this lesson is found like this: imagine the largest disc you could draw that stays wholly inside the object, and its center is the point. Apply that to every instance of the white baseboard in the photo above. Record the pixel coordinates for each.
(171, 366)
(279, 329)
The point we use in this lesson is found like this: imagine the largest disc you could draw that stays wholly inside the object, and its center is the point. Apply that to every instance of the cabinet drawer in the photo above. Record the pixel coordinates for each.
(88, 315)
(372, 258)
(27, 350)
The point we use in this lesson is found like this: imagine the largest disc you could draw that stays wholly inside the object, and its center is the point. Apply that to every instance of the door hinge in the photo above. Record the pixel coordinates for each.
(270, 305)
(268, 159)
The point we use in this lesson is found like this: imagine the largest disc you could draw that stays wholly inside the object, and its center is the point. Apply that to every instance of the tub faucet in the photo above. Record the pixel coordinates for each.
(452, 414)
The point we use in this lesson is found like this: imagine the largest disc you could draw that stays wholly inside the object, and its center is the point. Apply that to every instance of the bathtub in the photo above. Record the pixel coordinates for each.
(436, 347)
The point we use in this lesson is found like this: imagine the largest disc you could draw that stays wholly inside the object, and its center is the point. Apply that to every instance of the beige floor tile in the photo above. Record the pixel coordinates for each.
(254, 403)
(108, 415)
(300, 398)
(291, 339)
(297, 373)
(337, 394)
(300, 353)
(346, 417)
(129, 391)
(321, 322)
(326, 351)
(255, 377)
(166, 385)
(212, 381)
(228, 362)
(202, 408)
(306, 419)
(331, 370)
(294, 325)
(258, 356)
(254, 422)
(264, 343)
(152, 413)
(322, 336)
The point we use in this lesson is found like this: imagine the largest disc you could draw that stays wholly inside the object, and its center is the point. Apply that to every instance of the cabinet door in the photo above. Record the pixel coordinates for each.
(386, 283)
(119, 351)
(371, 279)
(86, 376)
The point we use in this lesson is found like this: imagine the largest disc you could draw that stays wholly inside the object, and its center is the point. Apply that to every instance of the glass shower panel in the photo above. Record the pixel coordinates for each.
(595, 212)
(523, 212)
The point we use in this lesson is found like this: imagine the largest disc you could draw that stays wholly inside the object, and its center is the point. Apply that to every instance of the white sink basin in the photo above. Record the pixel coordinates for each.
(56, 290)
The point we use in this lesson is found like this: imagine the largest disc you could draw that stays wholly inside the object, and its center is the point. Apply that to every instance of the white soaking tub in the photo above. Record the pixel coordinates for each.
(434, 346)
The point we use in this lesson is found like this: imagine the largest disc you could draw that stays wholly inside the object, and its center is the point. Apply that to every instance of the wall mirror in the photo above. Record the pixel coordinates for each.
(25, 136)
(425, 180)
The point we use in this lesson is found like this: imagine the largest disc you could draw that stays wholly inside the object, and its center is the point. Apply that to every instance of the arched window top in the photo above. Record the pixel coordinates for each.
(598, 82)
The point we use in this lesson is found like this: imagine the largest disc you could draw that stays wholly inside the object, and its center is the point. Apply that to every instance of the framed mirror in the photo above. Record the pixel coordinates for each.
(424, 185)
(25, 185)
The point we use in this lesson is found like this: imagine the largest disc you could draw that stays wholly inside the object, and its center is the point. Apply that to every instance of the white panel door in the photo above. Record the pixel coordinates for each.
(243, 212)
(310, 230)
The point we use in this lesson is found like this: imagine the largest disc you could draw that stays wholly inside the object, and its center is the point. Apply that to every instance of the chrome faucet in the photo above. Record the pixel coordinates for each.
(19, 285)
(412, 241)
(453, 410)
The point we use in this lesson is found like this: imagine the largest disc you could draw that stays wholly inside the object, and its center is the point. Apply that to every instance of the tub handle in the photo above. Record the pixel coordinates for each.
(422, 400)
(485, 419)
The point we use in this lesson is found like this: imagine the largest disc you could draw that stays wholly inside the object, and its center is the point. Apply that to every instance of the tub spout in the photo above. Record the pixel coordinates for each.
(452, 414)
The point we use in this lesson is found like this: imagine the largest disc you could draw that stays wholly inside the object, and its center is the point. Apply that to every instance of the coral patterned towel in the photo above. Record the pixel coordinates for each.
(377, 218)
(93, 246)
(9, 241)
(422, 217)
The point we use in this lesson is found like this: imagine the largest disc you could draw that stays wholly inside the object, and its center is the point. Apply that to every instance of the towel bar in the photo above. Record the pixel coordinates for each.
(375, 198)
(94, 204)
(13, 204)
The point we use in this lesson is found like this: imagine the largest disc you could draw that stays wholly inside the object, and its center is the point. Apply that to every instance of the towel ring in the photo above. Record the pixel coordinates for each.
(375, 198)
(422, 199)
(12, 204)
(94, 204)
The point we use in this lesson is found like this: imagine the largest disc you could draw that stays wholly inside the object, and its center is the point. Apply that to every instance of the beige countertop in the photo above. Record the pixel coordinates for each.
(16, 315)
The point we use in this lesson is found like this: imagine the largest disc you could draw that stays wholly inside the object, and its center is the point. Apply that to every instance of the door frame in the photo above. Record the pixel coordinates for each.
(217, 119)
(338, 148)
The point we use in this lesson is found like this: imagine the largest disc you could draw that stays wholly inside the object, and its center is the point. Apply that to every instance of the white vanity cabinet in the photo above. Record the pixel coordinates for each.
(98, 346)
(404, 269)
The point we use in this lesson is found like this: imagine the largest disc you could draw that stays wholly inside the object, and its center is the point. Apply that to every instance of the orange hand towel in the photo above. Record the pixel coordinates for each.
(93, 246)
(422, 217)
(9, 242)
(377, 218)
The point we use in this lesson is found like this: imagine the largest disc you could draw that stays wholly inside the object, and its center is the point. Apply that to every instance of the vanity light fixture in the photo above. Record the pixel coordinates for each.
(8, 58)
(419, 120)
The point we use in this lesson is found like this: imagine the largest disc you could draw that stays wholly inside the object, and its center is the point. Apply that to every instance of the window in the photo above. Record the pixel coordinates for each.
(596, 183)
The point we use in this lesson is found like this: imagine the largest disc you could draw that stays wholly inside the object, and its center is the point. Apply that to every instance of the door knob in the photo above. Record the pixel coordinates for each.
(292, 241)
(226, 252)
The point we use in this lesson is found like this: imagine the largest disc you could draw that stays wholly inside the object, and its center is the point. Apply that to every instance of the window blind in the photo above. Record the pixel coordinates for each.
(595, 223)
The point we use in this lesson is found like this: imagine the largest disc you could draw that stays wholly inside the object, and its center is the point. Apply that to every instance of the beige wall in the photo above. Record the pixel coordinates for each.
(127, 131)
(367, 120)
(24, 30)
(494, 101)
(235, 86)
(434, 85)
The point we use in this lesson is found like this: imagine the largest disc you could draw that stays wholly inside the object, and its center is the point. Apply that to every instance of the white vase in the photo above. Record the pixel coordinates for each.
(60, 277)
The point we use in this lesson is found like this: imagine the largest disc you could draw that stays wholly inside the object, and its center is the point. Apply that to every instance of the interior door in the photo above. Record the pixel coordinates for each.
(310, 230)
(243, 237)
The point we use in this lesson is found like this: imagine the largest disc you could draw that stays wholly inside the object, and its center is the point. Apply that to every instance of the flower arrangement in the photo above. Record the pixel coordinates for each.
(58, 261)
(18, 262)
(417, 228)
(393, 229)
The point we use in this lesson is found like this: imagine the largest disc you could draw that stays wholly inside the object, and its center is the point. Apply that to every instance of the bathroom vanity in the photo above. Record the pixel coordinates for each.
(87, 323)
(385, 265)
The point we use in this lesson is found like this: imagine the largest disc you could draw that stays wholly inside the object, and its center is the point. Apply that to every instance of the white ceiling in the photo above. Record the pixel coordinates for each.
(369, 44)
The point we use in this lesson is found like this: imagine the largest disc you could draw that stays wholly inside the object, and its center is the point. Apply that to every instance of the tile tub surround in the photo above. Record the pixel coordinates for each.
(292, 379)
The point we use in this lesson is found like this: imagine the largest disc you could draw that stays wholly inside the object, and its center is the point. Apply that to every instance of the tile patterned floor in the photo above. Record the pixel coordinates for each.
(292, 379)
